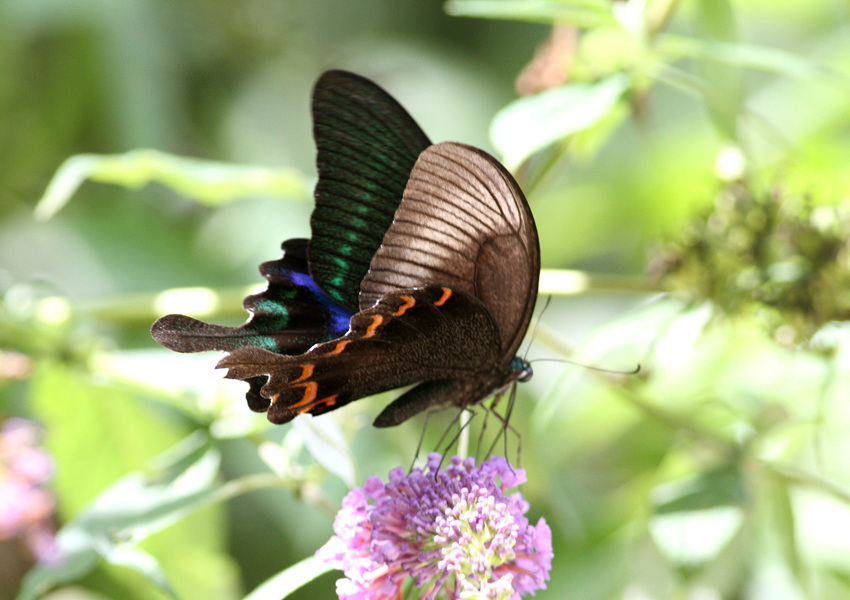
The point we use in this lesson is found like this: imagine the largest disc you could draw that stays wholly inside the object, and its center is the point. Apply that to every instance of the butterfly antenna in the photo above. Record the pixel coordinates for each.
(537, 322)
(634, 371)
(536, 325)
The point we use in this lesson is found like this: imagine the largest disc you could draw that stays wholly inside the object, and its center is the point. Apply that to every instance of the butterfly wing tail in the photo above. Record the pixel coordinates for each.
(287, 388)
(185, 334)
(314, 382)
(288, 317)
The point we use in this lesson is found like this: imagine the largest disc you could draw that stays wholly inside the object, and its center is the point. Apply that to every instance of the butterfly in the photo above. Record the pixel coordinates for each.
(422, 268)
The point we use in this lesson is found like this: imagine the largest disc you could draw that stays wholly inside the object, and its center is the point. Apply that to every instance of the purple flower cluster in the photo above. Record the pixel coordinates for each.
(453, 531)
(26, 508)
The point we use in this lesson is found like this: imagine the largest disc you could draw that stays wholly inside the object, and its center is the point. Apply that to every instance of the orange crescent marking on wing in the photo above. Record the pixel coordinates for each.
(376, 322)
(274, 398)
(340, 346)
(329, 401)
(307, 371)
(447, 293)
(310, 389)
(409, 302)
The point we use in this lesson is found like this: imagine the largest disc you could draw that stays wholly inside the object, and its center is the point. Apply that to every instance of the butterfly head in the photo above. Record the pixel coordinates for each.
(520, 369)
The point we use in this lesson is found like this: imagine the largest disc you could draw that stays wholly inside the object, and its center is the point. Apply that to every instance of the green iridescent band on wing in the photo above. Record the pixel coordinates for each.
(288, 317)
(367, 145)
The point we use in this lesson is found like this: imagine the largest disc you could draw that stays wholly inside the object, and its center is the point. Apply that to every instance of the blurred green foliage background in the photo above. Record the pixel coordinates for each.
(697, 147)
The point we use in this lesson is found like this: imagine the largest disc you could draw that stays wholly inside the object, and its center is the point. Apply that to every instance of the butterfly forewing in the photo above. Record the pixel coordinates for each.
(465, 223)
(367, 145)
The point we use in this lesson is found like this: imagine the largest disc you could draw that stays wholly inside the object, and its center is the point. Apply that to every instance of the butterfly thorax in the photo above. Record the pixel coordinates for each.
(493, 382)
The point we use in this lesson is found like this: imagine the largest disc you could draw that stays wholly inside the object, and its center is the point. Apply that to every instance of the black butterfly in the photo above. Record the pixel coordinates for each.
(422, 269)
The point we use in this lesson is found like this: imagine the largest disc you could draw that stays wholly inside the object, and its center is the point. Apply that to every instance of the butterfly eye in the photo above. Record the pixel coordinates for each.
(522, 369)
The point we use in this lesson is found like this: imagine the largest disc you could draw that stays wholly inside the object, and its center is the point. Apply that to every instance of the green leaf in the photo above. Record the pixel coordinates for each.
(126, 513)
(784, 527)
(821, 524)
(98, 432)
(287, 581)
(84, 418)
(696, 537)
(719, 487)
(141, 562)
(582, 13)
(723, 94)
(746, 56)
(696, 517)
(138, 506)
(80, 555)
(327, 444)
(206, 182)
(78, 558)
(530, 124)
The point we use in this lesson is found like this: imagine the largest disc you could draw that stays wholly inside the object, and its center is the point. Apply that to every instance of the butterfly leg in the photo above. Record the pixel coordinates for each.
(463, 427)
(506, 426)
(428, 416)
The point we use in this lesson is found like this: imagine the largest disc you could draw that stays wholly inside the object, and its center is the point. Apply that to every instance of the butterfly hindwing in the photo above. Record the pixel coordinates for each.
(427, 334)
